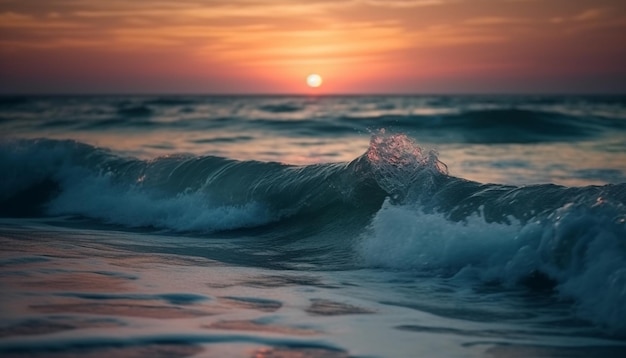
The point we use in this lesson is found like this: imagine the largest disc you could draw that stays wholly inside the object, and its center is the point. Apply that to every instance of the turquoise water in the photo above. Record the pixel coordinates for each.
(267, 226)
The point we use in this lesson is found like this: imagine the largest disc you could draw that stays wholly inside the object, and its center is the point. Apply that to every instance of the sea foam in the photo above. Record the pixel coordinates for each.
(395, 206)
(456, 229)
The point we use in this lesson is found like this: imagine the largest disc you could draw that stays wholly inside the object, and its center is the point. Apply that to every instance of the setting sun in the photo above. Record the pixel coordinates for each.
(314, 80)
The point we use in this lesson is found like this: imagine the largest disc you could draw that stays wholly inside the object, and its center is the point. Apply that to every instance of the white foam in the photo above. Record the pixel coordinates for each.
(581, 248)
(404, 237)
(100, 198)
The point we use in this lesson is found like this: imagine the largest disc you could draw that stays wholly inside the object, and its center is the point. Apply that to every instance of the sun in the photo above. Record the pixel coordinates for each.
(314, 80)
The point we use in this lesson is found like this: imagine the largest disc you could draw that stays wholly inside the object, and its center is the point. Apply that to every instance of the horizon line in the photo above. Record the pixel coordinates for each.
(300, 94)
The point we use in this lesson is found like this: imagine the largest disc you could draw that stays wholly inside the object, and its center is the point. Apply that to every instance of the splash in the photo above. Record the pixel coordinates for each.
(399, 165)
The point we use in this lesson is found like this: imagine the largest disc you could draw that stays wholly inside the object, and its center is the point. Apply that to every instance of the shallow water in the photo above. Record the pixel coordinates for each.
(313, 227)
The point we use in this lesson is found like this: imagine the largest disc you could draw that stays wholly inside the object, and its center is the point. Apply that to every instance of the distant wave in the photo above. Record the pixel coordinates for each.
(171, 101)
(395, 206)
(438, 119)
(281, 108)
(135, 111)
(495, 126)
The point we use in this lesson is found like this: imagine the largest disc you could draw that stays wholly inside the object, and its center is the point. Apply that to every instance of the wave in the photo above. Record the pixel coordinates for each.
(280, 108)
(499, 125)
(394, 207)
(440, 119)
(135, 111)
(172, 101)
(177, 192)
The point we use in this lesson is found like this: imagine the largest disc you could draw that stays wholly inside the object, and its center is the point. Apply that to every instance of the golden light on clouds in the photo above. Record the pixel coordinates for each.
(270, 45)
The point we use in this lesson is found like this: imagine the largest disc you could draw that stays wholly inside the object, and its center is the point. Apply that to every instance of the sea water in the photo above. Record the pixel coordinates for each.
(298, 226)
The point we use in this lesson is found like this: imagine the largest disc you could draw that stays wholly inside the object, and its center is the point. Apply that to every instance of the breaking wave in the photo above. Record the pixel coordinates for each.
(395, 206)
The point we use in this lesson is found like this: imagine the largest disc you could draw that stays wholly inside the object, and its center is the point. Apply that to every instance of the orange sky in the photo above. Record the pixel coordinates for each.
(270, 46)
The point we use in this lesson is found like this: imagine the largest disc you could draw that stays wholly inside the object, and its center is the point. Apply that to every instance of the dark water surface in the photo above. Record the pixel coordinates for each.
(275, 226)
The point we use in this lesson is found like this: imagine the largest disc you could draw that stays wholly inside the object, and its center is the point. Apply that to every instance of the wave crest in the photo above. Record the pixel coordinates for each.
(394, 206)
(398, 163)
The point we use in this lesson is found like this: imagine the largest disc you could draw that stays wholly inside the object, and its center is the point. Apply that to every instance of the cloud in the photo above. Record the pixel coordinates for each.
(340, 42)
(406, 3)
(283, 32)
(590, 14)
(24, 21)
(494, 20)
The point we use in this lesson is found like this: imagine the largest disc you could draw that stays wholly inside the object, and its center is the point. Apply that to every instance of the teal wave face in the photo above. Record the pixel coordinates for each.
(52, 176)
(394, 206)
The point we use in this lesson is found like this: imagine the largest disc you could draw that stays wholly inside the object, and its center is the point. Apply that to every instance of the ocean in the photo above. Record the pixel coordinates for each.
(313, 226)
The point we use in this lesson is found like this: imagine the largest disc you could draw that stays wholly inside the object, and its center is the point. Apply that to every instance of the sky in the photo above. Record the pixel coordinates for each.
(270, 46)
